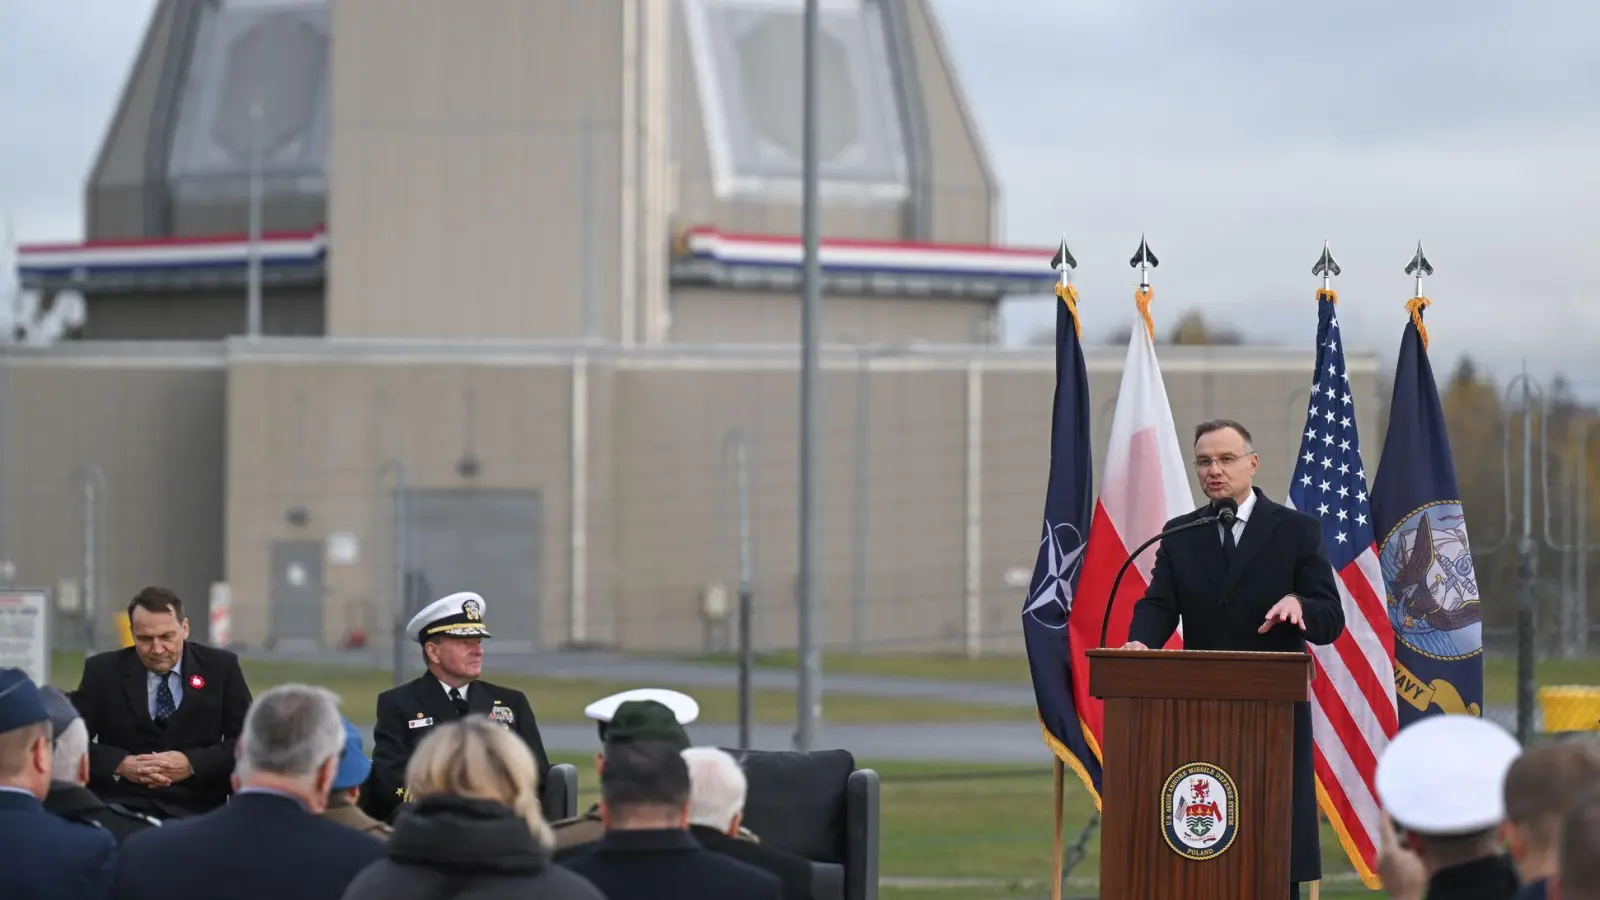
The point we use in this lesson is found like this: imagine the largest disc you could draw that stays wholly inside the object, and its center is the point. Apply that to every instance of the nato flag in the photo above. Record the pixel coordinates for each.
(1423, 550)
(1068, 506)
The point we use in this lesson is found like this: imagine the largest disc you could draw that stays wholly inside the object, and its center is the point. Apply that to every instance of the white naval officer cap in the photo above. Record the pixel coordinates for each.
(684, 708)
(458, 615)
(1445, 775)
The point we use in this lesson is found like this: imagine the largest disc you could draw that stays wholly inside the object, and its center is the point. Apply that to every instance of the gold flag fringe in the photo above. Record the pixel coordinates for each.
(1415, 306)
(1069, 296)
(1328, 294)
(1142, 297)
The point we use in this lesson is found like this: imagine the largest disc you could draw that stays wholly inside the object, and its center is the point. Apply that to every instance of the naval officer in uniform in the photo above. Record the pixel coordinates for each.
(451, 631)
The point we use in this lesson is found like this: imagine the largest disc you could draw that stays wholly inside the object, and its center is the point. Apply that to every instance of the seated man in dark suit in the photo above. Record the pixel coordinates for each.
(717, 788)
(647, 852)
(166, 713)
(270, 840)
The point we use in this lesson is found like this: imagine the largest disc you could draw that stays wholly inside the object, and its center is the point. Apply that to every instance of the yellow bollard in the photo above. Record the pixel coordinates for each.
(1570, 707)
(124, 630)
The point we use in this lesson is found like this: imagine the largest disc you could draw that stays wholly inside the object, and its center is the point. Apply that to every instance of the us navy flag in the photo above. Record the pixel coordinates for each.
(1068, 506)
(1426, 559)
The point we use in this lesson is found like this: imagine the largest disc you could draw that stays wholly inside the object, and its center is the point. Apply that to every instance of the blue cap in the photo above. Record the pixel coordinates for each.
(353, 763)
(20, 702)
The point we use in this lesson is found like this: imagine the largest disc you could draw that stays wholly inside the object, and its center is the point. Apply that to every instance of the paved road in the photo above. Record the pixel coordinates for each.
(614, 667)
(952, 741)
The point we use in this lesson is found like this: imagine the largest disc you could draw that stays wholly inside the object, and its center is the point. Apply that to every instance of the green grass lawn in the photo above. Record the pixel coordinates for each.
(1006, 669)
(562, 700)
(1499, 675)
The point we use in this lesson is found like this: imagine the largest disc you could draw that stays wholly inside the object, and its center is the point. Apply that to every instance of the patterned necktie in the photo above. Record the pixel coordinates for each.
(458, 701)
(164, 705)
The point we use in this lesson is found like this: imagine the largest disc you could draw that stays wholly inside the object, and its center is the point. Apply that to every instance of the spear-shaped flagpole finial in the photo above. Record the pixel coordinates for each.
(1064, 262)
(1144, 261)
(1419, 266)
(1326, 267)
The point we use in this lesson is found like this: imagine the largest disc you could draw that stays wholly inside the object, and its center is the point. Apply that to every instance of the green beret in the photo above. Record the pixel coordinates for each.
(646, 720)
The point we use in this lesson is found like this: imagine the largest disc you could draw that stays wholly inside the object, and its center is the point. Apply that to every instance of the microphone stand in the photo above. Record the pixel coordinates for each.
(1105, 621)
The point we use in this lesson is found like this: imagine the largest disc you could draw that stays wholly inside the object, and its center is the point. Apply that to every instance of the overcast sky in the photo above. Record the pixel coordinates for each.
(1238, 135)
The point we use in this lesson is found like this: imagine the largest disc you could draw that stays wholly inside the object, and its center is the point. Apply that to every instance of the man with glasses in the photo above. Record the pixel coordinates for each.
(1265, 584)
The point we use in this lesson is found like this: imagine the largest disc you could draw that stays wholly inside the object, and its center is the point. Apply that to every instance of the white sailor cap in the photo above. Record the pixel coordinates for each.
(684, 708)
(1445, 775)
(458, 615)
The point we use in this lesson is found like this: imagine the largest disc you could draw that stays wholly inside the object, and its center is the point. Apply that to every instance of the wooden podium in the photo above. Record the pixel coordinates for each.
(1197, 773)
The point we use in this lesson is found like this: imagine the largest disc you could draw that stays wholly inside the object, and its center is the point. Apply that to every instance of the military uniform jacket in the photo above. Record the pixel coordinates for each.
(79, 804)
(1221, 608)
(409, 713)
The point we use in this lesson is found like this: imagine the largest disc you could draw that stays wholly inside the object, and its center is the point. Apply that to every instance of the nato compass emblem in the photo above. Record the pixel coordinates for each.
(1060, 556)
(1203, 807)
(1433, 590)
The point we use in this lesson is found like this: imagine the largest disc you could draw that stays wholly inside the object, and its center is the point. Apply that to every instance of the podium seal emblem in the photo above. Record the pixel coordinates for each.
(1201, 810)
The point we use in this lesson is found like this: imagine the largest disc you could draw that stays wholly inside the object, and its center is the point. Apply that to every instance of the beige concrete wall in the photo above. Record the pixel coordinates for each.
(316, 432)
(458, 137)
(205, 315)
(938, 497)
(711, 315)
(965, 191)
(151, 418)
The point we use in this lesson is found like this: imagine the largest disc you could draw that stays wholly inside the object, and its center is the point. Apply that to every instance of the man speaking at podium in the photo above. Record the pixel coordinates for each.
(1263, 585)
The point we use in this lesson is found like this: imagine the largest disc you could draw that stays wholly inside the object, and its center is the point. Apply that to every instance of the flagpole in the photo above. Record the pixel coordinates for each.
(1065, 263)
(809, 695)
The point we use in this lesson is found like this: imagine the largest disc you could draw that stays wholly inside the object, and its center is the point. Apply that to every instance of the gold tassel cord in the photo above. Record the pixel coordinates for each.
(1142, 297)
(1328, 294)
(1069, 296)
(1415, 306)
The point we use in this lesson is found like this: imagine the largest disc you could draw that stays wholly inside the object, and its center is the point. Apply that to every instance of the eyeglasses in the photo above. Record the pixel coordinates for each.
(1202, 463)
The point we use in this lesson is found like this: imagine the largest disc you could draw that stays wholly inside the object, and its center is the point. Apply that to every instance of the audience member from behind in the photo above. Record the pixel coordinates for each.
(270, 840)
(354, 767)
(717, 791)
(164, 714)
(1578, 869)
(1441, 781)
(1541, 786)
(45, 856)
(69, 796)
(647, 852)
(475, 828)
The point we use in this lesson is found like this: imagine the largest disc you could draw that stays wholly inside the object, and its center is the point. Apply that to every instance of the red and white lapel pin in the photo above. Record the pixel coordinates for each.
(197, 681)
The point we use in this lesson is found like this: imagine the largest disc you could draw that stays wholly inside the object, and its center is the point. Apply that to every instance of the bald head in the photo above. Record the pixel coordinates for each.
(1579, 868)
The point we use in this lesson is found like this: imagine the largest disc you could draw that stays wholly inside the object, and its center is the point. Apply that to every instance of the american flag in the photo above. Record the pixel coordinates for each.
(1353, 713)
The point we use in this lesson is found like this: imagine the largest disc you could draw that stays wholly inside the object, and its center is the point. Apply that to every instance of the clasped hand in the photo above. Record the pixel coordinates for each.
(156, 769)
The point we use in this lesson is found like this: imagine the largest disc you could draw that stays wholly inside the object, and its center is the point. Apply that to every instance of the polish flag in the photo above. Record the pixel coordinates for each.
(1146, 484)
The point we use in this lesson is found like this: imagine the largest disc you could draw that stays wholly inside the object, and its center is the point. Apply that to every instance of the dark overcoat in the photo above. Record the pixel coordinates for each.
(1279, 553)
(113, 697)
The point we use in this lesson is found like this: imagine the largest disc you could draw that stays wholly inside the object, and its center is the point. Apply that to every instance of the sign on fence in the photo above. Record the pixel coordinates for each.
(25, 632)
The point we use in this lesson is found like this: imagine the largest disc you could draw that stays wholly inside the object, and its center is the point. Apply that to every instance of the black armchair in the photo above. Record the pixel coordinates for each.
(819, 806)
(558, 796)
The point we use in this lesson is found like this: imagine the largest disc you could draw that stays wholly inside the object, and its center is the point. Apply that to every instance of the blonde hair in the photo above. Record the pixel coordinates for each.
(477, 758)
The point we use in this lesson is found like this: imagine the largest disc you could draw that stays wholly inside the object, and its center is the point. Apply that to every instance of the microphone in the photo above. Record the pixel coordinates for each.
(1225, 512)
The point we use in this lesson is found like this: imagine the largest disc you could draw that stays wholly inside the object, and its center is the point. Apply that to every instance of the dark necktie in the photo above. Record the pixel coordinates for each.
(1228, 547)
(164, 704)
(458, 701)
